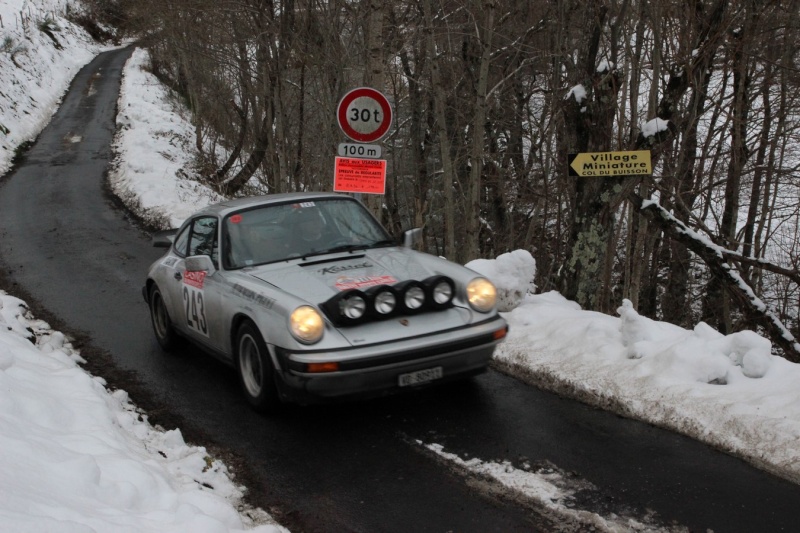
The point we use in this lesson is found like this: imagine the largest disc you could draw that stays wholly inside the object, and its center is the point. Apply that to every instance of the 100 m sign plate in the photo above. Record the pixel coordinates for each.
(370, 151)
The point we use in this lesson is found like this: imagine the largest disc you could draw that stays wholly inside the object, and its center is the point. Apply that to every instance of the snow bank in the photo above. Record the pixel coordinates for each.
(725, 390)
(79, 458)
(154, 143)
(710, 356)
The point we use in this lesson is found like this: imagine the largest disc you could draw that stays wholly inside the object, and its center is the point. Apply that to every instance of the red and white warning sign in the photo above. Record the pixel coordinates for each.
(364, 114)
(360, 175)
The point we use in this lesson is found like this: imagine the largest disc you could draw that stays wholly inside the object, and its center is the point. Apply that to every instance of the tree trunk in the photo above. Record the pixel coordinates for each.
(716, 308)
(472, 207)
(439, 95)
(374, 73)
(591, 123)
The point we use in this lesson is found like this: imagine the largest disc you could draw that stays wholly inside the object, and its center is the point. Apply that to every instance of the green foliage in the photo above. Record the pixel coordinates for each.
(8, 44)
(48, 26)
(97, 32)
(587, 258)
(19, 152)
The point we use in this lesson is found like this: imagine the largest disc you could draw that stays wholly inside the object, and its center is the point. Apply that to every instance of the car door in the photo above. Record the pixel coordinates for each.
(197, 295)
(171, 282)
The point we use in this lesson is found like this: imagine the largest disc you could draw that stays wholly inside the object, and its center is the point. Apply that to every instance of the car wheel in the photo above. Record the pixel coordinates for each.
(162, 325)
(256, 373)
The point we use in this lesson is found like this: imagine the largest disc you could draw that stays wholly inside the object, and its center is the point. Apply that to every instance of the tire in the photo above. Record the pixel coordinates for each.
(162, 324)
(254, 366)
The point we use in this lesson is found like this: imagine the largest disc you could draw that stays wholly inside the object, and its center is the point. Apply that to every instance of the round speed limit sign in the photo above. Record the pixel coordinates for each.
(364, 115)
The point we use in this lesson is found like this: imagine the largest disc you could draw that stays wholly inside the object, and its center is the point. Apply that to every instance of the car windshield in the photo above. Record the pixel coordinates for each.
(278, 232)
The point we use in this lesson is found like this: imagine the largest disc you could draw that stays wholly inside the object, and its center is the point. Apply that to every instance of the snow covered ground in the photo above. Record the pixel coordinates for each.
(78, 458)
(40, 53)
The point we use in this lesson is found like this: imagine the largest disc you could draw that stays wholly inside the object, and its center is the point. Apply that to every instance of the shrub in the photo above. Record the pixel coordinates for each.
(48, 26)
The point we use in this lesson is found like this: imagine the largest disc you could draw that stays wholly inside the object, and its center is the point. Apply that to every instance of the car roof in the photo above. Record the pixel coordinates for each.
(228, 206)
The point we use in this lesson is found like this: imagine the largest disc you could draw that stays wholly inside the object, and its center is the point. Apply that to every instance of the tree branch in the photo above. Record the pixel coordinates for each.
(714, 257)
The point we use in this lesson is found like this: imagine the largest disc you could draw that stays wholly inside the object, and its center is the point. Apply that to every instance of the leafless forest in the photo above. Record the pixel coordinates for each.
(486, 112)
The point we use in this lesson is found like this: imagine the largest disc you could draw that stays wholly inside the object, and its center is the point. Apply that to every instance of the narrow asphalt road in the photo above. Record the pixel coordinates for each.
(66, 246)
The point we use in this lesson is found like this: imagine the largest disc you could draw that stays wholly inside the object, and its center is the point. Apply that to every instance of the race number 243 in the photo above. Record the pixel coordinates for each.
(194, 304)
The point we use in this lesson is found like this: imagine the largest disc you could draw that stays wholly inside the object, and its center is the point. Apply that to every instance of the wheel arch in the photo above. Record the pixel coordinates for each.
(236, 322)
(148, 286)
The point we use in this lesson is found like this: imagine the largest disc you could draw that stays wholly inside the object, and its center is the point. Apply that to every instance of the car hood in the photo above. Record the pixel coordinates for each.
(318, 278)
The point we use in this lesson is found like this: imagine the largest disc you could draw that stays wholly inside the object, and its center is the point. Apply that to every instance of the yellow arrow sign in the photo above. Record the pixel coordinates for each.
(600, 164)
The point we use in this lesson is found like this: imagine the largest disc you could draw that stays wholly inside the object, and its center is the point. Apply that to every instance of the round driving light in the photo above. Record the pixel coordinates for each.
(385, 302)
(353, 307)
(481, 294)
(442, 292)
(306, 324)
(414, 297)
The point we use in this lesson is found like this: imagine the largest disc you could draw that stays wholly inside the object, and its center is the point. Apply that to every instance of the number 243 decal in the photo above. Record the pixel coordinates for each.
(195, 307)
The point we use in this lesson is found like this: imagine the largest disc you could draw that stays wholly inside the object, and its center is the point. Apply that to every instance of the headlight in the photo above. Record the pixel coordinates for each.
(306, 324)
(412, 295)
(353, 306)
(415, 297)
(441, 291)
(481, 294)
(347, 308)
(384, 301)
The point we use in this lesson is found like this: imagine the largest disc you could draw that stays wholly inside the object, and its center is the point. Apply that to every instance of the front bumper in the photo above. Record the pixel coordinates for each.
(374, 370)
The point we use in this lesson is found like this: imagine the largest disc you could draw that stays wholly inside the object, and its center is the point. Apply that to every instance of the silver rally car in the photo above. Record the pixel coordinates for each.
(308, 297)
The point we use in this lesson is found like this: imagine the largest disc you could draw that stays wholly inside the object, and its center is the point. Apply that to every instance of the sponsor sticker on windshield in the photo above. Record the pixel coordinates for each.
(344, 283)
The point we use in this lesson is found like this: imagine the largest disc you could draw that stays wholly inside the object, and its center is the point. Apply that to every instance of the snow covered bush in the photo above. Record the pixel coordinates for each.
(703, 353)
(512, 273)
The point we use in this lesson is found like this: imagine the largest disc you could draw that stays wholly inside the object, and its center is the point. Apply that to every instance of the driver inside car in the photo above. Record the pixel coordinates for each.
(309, 231)
(260, 243)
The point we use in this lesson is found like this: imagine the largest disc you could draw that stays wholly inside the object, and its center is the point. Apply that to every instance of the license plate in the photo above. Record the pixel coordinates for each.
(420, 376)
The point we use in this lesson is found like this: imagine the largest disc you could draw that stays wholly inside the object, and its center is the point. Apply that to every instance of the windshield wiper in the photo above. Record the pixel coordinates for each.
(384, 242)
(361, 246)
(351, 247)
(335, 249)
(344, 248)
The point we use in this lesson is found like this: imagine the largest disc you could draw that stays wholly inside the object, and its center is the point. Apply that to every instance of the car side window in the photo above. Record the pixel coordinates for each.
(203, 240)
(182, 240)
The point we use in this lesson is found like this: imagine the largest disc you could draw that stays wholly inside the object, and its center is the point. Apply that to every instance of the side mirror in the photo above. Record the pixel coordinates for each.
(412, 238)
(200, 263)
(163, 239)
